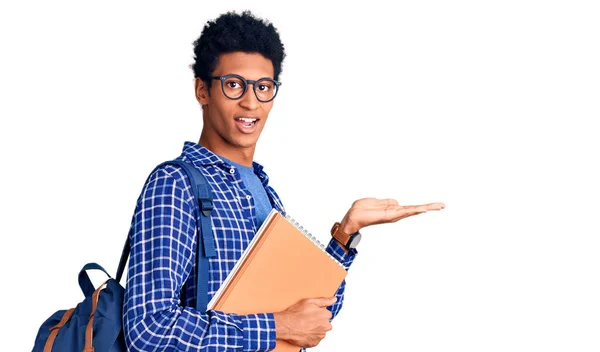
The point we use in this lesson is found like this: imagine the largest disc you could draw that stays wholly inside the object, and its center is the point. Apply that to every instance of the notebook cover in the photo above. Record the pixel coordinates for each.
(283, 267)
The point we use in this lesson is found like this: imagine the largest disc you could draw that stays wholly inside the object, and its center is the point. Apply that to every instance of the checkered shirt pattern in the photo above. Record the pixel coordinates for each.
(163, 258)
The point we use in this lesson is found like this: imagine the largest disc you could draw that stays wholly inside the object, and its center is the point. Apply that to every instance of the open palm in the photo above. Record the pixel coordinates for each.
(370, 211)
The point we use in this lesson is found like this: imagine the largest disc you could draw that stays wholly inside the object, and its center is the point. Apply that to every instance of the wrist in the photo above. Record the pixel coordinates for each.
(348, 240)
(348, 227)
(282, 328)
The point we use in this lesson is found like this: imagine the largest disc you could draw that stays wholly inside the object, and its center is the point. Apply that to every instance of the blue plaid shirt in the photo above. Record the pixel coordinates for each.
(163, 255)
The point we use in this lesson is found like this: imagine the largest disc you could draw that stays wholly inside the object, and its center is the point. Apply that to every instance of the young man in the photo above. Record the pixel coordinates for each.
(237, 66)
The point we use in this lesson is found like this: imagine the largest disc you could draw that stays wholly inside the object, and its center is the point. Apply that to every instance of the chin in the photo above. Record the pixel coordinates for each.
(245, 142)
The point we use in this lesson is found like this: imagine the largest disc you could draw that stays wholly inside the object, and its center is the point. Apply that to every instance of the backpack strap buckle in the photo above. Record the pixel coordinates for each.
(206, 206)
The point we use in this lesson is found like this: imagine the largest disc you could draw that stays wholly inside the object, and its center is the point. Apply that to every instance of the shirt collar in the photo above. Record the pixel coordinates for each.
(202, 157)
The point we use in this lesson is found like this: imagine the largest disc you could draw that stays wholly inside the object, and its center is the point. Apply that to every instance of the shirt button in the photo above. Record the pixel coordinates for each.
(248, 197)
(232, 171)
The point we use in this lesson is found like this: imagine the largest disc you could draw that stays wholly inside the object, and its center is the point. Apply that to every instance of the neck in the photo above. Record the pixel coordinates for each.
(241, 155)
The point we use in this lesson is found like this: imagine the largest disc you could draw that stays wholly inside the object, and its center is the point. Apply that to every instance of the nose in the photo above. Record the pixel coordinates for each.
(249, 100)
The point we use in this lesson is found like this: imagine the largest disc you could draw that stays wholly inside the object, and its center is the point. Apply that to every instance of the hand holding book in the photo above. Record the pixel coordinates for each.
(306, 322)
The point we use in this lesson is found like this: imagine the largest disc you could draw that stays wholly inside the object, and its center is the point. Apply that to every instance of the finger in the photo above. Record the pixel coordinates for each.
(400, 212)
(388, 214)
(435, 206)
(409, 209)
(421, 208)
(418, 209)
(323, 301)
(429, 206)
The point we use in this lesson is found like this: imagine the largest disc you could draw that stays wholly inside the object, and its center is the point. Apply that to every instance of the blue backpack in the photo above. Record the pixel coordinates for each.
(96, 324)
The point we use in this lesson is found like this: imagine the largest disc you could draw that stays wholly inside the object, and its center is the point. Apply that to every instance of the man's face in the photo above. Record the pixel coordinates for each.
(226, 121)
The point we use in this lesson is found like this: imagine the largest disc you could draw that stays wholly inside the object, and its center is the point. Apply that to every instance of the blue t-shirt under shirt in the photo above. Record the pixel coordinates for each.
(255, 187)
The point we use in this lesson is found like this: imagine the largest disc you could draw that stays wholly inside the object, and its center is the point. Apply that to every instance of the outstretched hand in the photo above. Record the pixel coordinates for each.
(370, 211)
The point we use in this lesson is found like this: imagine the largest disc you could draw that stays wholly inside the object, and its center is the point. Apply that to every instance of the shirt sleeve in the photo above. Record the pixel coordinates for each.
(162, 257)
(346, 258)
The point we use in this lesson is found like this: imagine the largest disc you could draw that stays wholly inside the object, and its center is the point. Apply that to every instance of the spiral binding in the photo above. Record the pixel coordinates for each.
(308, 235)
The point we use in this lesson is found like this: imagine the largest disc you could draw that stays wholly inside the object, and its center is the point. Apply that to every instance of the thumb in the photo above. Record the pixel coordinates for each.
(324, 301)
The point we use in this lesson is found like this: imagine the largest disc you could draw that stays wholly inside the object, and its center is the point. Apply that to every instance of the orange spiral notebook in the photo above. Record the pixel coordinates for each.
(282, 265)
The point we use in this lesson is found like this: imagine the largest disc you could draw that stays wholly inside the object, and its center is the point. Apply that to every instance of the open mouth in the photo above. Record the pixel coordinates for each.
(246, 122)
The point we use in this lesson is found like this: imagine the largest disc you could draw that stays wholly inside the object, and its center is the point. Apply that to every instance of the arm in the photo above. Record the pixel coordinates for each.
(162, 256)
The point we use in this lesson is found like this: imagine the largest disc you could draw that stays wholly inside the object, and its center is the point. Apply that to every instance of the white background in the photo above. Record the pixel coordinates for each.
(489, 107)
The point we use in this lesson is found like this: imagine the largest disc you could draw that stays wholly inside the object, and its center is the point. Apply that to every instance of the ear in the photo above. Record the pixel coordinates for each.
(201, 90)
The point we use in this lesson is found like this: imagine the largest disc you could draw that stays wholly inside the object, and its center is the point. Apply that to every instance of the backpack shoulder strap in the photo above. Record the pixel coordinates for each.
(205, 243)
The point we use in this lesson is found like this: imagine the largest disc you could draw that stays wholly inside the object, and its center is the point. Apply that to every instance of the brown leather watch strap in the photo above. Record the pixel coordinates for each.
(340, 236)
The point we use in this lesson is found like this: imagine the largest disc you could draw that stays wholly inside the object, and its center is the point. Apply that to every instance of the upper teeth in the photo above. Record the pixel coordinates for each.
(247, 119)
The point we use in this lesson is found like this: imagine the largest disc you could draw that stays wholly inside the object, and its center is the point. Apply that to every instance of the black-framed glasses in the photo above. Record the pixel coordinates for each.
(235, 86)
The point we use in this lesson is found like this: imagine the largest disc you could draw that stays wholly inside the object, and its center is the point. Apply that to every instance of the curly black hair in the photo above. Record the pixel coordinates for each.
(232, 32)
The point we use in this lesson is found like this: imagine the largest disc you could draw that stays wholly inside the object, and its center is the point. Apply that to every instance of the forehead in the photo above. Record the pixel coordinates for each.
(247, 65)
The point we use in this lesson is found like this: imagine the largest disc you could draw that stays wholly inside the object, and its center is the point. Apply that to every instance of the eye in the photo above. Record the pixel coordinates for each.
(234, 83)
(265, 86)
